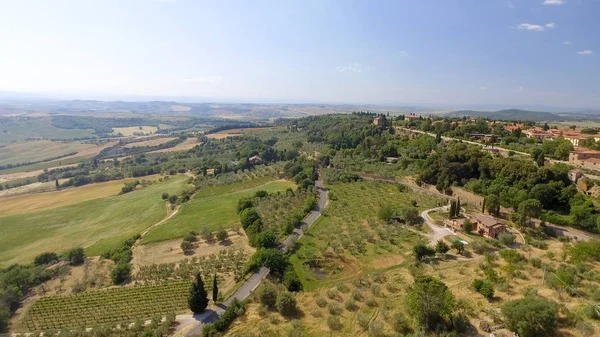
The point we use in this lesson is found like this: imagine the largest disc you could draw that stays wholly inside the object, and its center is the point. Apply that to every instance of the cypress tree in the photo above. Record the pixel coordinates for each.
(457, 208)
(198, 299)
(452, 209)
(483, 206)
(215, 289)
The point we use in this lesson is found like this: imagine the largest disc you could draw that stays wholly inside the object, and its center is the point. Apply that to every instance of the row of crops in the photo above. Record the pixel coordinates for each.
(111, 305)
(226, 261)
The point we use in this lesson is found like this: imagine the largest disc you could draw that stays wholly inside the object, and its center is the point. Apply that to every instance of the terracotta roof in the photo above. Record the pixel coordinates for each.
(487, 221)
(583, 150)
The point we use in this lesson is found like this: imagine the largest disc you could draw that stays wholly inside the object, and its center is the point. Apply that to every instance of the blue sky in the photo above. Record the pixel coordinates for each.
(402, 52)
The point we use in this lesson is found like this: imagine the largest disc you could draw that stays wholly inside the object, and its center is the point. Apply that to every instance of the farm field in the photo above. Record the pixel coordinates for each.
(212, 207)
(350, 239)
(151, 142)
(44, 201)
(135, 130)
(239, 132)
(38, 150)
(111, 305)
(97, 225)
(187, 144)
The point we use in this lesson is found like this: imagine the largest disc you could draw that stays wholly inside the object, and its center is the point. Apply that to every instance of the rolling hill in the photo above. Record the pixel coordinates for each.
(511, 114)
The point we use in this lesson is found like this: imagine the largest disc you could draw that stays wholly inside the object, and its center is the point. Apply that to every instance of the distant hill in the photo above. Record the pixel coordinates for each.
(511, 114)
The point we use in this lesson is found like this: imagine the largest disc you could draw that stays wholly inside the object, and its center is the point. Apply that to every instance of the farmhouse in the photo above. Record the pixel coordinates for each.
(487, 226)
(585, 158)
(377, 120)
(255, 160)
(411, 117)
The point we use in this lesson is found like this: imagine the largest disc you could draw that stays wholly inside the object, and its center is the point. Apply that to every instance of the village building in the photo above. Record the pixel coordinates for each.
(487, 226)
(576, 138)
(455, 225)
(538, 133)
(411, 117)
(377, 120)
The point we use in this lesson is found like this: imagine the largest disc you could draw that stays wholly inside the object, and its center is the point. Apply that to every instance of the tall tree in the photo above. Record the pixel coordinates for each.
(531, 317)
(198, 298)
(457, 214)
(483, 205)
(530, 208)
(57, 185)
(429, 301)
(215, 289)
(492, 204)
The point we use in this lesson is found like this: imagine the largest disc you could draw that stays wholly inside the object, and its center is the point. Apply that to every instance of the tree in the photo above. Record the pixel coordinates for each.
(506, 238)
(441, 247)
(173, 199)
(45, 258)
(530, 208)
(187, 247)
(286, 303)
(531, 317)
(191, 237)
(459, 246)
(410, 214)
(483, 205)
(420, 251)
(266, 239)
(57, 185)
(385, 212)
(248, 217)
(76, 256)
(215, 289)
(457, 210)
(206, 234)
(429, 301)
(222, 234)
(198, 298)
(452, 209)
(484, 287)
(121, 272)
(267, 295)
(492, 204)
(165, 196)
(467, 226)
(4, 318)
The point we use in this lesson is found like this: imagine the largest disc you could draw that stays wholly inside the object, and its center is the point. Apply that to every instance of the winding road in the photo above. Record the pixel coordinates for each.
(200, 320)
(438, 231)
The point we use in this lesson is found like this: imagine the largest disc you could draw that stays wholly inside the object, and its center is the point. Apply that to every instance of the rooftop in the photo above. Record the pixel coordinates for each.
(487, 221)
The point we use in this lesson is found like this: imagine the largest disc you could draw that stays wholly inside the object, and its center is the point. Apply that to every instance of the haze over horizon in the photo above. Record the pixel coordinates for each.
(519, 53)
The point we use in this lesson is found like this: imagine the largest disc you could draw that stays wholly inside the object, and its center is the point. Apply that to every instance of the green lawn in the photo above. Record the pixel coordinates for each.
(212, 207)
(98, 225)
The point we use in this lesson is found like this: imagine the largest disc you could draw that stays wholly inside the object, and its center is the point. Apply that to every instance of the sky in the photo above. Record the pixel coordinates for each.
(519, 52)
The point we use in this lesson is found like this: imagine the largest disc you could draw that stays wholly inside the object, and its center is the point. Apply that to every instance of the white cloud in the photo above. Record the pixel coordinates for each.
(510, 5)
(482, 88)
(403, 53)
(204, 79)
(550, 25)
(354, 68)
(531, 27)
(566, 42)
(554, 2)
(585, 52)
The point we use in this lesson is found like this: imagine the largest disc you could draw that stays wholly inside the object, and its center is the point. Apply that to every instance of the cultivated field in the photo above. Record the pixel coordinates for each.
(21, 129)
(187, 144)
(213, 207)
(350, 239)
(135, 130)
(239, 132)
(39, 150)
(98, 225)
(151, 142)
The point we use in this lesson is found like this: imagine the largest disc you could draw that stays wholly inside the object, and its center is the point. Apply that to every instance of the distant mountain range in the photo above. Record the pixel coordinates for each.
(512, 114)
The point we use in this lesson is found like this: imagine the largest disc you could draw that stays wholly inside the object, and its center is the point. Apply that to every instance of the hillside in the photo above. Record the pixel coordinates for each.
(511, 114)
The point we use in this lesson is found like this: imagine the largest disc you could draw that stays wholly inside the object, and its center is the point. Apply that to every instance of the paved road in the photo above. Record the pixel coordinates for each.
(254, 281)
(438, 231)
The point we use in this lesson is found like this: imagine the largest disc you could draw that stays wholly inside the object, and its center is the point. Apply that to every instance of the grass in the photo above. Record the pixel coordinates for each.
(38, 150)
(350, 239)
(213, 207)
(132, 130)
(44, 201)
(46, 165)
(97, 225)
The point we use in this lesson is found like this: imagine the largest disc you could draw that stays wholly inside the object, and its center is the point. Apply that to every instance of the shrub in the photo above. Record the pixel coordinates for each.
(190, 237)
(363, 319)
(531, 317)
(120, 273)
(400, 324)
(351, 305)
(165, 196)
(206, 234)
(511, 256)
(321, 302)
(334, 308)
(187, 247)
(222, 234)
(506, 238)
(76, 256)
(235, 309)
(332, 294)
(343, 288)
(45, 258)
(376, 328)
(334, 323)
(420, 251)
(536, 262)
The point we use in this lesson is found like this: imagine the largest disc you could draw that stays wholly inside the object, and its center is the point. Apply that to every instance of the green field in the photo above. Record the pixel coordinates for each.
(98, 225)
(213, 207)
(46, 165)
(350, 239)
(13, 129)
